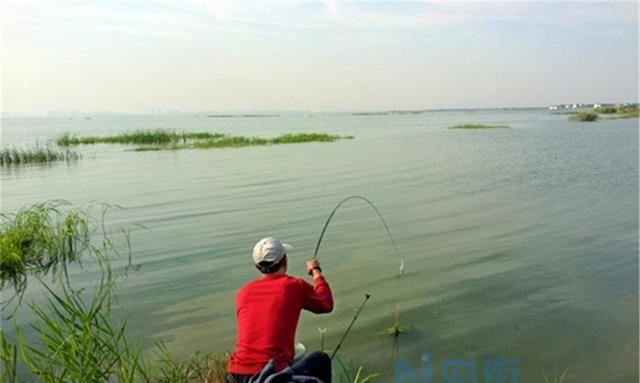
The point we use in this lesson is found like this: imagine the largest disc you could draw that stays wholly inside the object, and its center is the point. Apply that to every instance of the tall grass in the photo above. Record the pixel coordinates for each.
(224, 141)
(230, 141)
(478, 126)
(585, 117)
(160, 139)
(620, 111)
(39, 240)
(347, 373)
(306, 137)
(36, 154)
(139, 137)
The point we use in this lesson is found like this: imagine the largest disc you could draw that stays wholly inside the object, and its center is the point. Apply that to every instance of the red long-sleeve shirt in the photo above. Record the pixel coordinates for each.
(268, 310)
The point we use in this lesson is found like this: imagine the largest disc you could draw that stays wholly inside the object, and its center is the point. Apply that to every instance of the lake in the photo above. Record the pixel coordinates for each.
(518, 243)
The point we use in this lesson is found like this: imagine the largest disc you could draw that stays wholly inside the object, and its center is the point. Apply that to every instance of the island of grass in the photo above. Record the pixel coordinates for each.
(154, 140)
(585, 117)
(478, 126)
(36, 154)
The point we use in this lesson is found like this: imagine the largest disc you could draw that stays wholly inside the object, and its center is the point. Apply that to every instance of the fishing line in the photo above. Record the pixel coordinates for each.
(326, 224)
(399, 273)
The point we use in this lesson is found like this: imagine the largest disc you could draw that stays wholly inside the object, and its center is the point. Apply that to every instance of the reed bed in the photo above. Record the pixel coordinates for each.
(241, 141)
(159, 139)
(619, 111)
(40, 239)
(140, 137)
(585, 117)
(478, 126)
(36, 154)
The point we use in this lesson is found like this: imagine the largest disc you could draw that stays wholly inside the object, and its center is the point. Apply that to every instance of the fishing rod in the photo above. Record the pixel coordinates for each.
(335, 351)
(333, 212)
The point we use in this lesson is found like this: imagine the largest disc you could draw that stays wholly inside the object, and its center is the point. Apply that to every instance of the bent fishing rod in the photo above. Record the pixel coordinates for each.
(333, 212)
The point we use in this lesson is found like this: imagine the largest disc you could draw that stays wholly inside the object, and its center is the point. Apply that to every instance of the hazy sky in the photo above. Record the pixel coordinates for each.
(195, 55)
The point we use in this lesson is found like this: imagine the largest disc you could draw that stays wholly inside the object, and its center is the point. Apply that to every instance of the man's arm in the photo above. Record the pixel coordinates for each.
(317, 298)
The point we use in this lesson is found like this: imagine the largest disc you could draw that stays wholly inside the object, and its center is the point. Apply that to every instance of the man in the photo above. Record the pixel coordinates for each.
(268, 310)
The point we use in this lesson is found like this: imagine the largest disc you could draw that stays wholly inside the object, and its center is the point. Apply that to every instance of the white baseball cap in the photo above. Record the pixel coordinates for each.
(270, 249)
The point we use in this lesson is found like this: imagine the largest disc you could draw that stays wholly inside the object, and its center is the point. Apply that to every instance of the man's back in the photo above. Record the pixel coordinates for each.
(267, 311)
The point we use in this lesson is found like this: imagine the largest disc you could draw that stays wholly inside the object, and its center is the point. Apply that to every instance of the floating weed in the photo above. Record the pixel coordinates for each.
(478, 126)
(395, 329)
(36, 154)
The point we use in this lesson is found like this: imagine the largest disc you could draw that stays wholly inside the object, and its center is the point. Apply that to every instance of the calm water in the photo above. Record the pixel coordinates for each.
(518, 243)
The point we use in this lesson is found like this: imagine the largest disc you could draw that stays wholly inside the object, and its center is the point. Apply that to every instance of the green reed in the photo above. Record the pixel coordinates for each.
(39, 240)
(478, 126)
(139, 137)
(36, 154)
(161, 139)
(224, 141)
(555, 378)
(585, 117)
(347, 373)
(396, 329)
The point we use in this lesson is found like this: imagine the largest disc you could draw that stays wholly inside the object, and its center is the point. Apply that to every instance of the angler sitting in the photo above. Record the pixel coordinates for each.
(268, 310)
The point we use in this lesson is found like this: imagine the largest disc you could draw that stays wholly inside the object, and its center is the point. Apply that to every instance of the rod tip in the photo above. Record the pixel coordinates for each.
(367, 296)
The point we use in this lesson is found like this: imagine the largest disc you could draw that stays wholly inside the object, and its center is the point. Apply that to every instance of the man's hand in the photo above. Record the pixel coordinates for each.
(313, 267)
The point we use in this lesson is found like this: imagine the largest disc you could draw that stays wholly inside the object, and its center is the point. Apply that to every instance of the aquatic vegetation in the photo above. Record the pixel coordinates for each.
(606, 110)
(322, 331)
(307, 137)
(349, 374)
(37, 154)
(154, 140)
(230, 142)
(619, 111)
(627, 111)
(584, 117)
(395, 328)
(140, 137)
(556, 378)
(43, 239)
(40, 239)
(241, 141)
(478, 126)
(155, 148)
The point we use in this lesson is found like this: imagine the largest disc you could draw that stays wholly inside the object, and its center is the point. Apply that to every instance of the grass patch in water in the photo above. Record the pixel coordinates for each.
(585, 117)
(44, 239)
(395, 328)
(140, 137)
(478, 126)
(230, 142)
(224, 141)
(36, 154)
(154, 140)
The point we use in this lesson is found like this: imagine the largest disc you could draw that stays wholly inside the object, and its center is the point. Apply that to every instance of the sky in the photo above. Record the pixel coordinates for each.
(197, 55)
